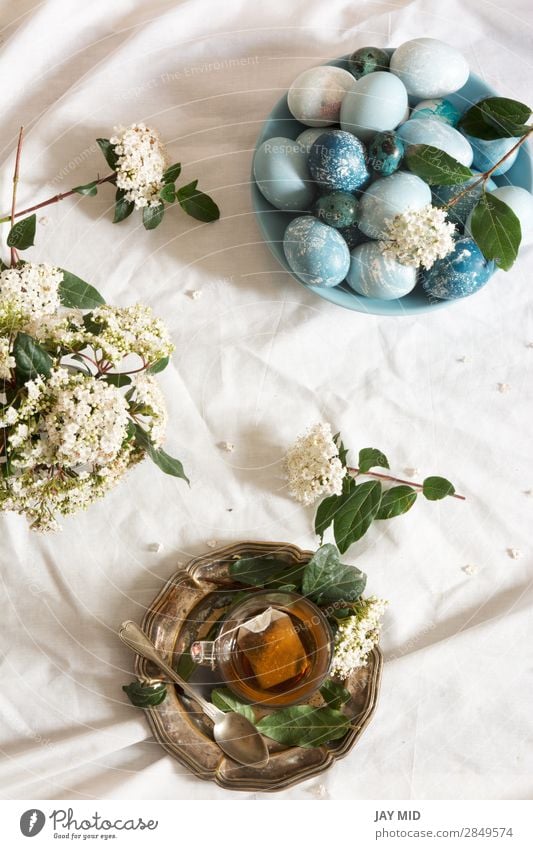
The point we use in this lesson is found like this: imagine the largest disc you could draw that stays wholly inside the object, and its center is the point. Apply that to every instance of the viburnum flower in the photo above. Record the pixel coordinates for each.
(313, 465)
(141, 163)
(418, 237)
(357, 635)
(28, 292)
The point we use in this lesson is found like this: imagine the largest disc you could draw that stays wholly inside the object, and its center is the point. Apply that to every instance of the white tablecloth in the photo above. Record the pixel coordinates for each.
(257, 360)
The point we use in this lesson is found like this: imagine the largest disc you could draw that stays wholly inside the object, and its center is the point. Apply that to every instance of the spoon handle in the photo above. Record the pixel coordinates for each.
(130, 634)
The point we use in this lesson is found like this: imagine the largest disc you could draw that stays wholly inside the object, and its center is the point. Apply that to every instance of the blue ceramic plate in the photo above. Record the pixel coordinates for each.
(273, 222)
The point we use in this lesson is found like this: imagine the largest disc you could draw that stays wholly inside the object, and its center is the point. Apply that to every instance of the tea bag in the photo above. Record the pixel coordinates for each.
(273, 648)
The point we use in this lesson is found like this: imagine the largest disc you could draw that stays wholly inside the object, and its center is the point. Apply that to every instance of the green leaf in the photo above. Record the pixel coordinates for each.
(74, 292)
(326, 513)
(395, 501)
(22, 234)
(160, 365)
(30, 358)
(369, 458)
(495, 118)
(168, 193)
(256, 571)
(87, 189)
(197, 204)
(172, 173)
(334, 693)
(224, 699)
(434, 166)
(153, 216)
(118, 380)
(169, 465)
(304, 725)
(343, 451)
(145, 696)
(326, 579)
(123, 207)
(496, 230)
(109, 152)
(435, 488)
(356, 515)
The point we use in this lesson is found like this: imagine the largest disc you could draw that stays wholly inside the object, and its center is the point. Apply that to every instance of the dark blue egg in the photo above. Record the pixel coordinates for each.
(386, 152)
(366, 60)
(337, 161)
(338, 209)
(353, 236)
(461, 273)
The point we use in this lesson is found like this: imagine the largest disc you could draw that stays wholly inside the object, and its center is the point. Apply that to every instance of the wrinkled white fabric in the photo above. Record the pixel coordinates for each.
(258, 359)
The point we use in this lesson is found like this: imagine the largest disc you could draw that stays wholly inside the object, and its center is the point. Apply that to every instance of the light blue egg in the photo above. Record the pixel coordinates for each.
(438, 134)
(337, 160)
(309, 136)
(389, 196)
(521, 202)
(374, 103)
(459, 212)
(439, 108)
(488, 152)
(282, 174)
(461, 273)
(316, 253)
(429, 67)
(376, 276)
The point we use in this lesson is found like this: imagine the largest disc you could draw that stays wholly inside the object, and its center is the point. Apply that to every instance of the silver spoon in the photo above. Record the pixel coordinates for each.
(235, 734)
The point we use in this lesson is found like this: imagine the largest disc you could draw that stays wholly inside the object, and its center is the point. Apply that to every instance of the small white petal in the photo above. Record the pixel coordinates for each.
(514, 553)
(156, 546)
(212, 543)
(504, 387)
(227, 446)
(470, 569)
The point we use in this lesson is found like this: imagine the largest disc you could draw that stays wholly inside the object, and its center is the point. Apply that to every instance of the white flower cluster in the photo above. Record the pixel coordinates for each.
(27, 293)
(313, 466)
(357, 635)
(418, 237)
(141, 163)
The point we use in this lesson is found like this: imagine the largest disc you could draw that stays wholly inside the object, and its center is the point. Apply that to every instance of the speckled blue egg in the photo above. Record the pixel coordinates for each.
(338, 209)
(353, 236)
(459, 274)
(488, 152)
(438, 134)
(375, 103)
(337, 160)
(376, 276)
(460, 211)
(440, 108)
(385, 153)
(316, 95)
(316, 253)
(521, 202)
(309, 136)
(389, 196)
(429, 67)
(366, 60)
(282, 174)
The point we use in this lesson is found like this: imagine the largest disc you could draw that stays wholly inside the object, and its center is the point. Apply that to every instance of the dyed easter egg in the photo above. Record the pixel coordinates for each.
(316, 95)
(438, 134)
(353, 236)
(366, 60)
(521, 202)
(387, 197)
(282, 175)
(316, 253)
(488, 152)
(442, 110)
(461, 273)
(386, 153)
(429, 67)
(309, 136)
(338, 209)
(374, 275)
(459, 212)
(337, 160)
(374, 103)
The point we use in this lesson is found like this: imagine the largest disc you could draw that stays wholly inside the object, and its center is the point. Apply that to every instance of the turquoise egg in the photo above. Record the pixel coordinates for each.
(461, 273)
(309, 136)
(374, 275)
(429, 67)
(387, 197)
(438, 134)
(282, 175)
(488, 152)
(366, 60)
(460, 211)
(374, 103)
(386, 152)
(441, 109)
(337, 160)
(521, 202)
(338, 209)
(316, 253)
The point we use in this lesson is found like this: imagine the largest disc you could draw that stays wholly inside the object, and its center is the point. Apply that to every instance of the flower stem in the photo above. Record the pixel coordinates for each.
(354, 472)
(109, 179)
(14, 255)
